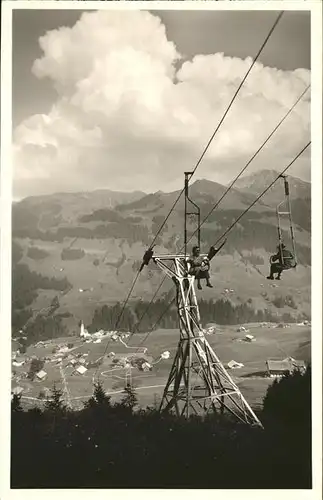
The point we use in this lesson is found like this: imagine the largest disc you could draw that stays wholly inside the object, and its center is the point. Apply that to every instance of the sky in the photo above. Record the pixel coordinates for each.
(127, 100)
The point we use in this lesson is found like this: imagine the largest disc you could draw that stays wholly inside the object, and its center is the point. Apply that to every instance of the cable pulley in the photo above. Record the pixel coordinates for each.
(146, 258)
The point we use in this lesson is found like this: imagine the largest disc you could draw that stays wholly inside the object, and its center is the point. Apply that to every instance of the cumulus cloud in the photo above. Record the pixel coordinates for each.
(130, 114)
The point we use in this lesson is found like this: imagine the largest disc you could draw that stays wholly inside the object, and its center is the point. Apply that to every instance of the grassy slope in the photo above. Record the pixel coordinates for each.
(105, 283)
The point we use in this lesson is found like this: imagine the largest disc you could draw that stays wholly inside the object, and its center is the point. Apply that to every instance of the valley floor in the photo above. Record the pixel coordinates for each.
(271, 342)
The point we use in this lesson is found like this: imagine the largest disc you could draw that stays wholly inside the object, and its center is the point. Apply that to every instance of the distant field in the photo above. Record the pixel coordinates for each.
(270, 342)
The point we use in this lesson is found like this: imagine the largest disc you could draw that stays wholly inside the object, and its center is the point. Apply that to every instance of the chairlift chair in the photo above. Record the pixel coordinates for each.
(284, 209)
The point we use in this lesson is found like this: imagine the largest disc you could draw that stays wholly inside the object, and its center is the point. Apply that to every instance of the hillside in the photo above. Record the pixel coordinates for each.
(96, 241)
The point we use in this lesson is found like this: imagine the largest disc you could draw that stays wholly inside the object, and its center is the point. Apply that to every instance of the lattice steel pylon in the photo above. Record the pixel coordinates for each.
(198, 381)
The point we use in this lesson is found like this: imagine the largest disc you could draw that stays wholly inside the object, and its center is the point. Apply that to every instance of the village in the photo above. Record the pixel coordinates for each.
(74, 364)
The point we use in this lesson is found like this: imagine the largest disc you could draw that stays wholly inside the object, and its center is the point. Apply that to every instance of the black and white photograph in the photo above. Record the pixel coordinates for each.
(161, 168)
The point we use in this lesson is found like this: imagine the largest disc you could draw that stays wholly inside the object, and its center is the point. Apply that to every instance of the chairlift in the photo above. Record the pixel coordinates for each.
(287, 258)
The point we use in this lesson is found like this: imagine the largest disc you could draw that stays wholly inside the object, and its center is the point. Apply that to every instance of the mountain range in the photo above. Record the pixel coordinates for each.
(96, 241)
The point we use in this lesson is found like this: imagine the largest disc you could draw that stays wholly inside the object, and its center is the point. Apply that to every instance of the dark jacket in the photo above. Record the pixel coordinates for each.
(285, 258)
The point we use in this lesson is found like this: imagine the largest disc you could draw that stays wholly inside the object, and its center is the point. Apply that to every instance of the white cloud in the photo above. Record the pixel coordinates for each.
(124, 119)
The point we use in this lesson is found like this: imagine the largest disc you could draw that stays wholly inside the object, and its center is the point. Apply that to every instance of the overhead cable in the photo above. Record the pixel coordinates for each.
(148, 252)
(243, 213)
(235, 180)
(221, 121)
(204, 151)
(260, 196)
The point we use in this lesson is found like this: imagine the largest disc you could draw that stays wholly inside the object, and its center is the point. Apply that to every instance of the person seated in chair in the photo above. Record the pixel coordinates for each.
(199, 267)
(282, 260)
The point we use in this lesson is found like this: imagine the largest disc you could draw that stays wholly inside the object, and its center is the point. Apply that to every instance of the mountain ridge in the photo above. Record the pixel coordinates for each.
(99, 249)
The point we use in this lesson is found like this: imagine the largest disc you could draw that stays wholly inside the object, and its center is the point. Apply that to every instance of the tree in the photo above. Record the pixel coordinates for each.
(54, 403)
(288, 401)
(35, 366)
(99, 398)
(16, 403)
(129, 399)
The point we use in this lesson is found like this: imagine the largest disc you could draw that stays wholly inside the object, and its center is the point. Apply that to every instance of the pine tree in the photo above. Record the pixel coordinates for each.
(99, 398)
(54, 404)
(129, 399)
(15, 403)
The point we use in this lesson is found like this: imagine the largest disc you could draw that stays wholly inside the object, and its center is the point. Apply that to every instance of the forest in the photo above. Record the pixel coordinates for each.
(119, 445)
(159, 314)
(25, 286)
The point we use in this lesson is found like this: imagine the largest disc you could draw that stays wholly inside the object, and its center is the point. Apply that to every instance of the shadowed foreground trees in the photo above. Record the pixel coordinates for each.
(109, 445)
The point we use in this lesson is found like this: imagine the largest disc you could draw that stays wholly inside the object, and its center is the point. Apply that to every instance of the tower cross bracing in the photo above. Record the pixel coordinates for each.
(198, 382)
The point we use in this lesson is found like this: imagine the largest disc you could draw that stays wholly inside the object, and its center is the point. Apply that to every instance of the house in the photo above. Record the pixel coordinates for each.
(278, 368)
(165, 355)
(234, 364)
(97, 341)
(41, 375)
(146, 367)
(18, 363)
(100, 333)
(81, 370)
(250, 338)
